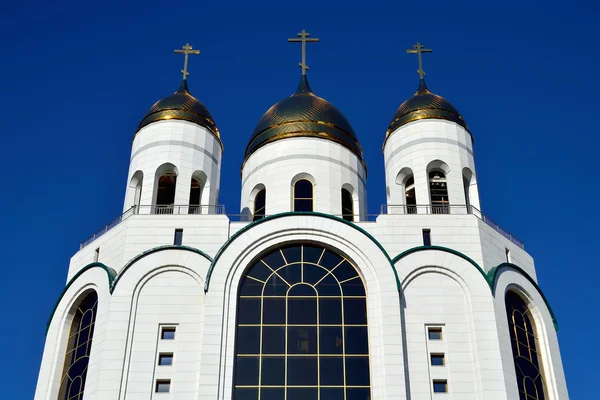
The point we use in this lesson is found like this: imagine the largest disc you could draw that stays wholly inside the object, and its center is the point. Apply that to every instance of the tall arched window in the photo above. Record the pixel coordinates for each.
(303, 195)
(438, 190)
(165, 194)
(409, 193)
(79, 347)
(301, 328)
(136, 183)
(260, 201)
(525, 349)
(195, 195)
(347, 205)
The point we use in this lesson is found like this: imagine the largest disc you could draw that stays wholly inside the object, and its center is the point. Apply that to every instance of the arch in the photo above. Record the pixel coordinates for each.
(348, 195)
(406, 180)
(303, 193)
(165, 184)
(525, 347)
(438, 165)
(197, 190)
(258, 202)
(470, 188)
(136, 184)
(438, 187)
(79, 345)
(285, 297)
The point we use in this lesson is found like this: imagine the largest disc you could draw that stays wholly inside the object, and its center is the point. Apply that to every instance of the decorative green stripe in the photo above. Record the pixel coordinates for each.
(491, 277)
(289, 214)
(156, 250)
(493, 273)
(110, 274)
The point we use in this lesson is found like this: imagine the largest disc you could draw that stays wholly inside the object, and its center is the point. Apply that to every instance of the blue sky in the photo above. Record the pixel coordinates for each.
(76, 78)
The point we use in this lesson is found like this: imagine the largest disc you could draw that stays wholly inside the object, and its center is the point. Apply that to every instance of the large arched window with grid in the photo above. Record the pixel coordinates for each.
(302, 328)
(525, 349)
(79, 347)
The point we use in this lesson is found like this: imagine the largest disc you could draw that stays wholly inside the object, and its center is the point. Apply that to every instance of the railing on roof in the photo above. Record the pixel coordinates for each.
(386, 209)
(390, 209)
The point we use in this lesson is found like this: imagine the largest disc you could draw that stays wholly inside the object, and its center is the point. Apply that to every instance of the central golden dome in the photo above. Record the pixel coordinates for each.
(304, 115)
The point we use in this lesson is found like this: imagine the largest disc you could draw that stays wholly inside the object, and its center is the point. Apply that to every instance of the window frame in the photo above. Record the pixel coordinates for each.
(312, 198)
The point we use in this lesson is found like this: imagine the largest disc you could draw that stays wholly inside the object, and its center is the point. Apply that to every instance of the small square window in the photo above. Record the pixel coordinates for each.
(163, 386)
(165, 359)
(440, 386)
(438, 359)
(178, 237)
(426, 237)
(167, 333)
(434, 333)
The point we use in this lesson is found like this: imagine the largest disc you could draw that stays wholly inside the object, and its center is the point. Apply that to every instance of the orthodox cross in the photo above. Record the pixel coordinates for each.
(186, 50)
(418, 49)
(303, 37)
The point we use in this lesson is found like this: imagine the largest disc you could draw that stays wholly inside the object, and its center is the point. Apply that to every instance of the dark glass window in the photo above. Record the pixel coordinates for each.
(347, 205)
(195, 194)
(165, 193)
(302, 328)
(525, 349)
(440, 386)
(260, 201)
(79, 347)
(303, 195)
(438, 190)
(434, 333)
(438, 359)
(163, 386)
(167, 333)
(178, 239)
(165, 359)
(411, 198)
(426, 237)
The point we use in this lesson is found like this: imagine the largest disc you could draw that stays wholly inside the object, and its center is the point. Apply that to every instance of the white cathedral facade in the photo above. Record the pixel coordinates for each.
(304, 296)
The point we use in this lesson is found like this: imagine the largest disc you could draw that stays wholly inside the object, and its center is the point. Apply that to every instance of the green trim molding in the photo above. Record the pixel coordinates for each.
(490, 277)
(297, 213)
(110, 274)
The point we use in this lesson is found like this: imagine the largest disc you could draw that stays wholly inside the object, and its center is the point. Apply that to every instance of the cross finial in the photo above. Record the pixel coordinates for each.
(303, 37)
(418, 49)
(186, 50)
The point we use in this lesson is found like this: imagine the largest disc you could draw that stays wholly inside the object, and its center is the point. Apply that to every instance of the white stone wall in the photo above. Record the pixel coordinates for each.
(329, 165)
(188, 147)
(415, 146)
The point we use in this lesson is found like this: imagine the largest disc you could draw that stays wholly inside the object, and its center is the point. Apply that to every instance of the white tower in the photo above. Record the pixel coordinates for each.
(304, 156)
(176, 154)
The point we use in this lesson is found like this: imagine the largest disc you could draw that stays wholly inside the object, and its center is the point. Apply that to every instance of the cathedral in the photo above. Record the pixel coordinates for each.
(301, 295)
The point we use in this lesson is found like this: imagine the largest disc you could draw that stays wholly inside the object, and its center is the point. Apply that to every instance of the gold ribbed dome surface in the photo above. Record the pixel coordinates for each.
(181, 105)
(304, 115)
(424, 105)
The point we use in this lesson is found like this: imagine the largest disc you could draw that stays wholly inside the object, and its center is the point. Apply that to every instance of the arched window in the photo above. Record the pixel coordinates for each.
(525, 348)
(195, 195)
(259, 204)
(301, 328)
(136, 183)
(165, 194)
(347, 205)
(303, 195)
(438, 190)
(79, 347)
(409, 193)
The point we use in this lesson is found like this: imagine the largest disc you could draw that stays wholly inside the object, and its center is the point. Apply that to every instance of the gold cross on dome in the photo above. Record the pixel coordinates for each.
(186, 50)
(418, 49)
(303, 37)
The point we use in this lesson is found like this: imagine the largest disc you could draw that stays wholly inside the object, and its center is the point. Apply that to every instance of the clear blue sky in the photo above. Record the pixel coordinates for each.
(77, 77)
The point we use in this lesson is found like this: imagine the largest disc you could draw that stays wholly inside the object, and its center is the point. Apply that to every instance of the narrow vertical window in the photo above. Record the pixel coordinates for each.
(426, 237)
(79, 347)
(303, 195)
(302, 328)
(523, 338)
(260, 201)
(409, 193)
(165, 195)
(195, 194)
(347, 205)
(438, 190)
(97, 254)
(178, 239)
(507, 252)
(466, 184)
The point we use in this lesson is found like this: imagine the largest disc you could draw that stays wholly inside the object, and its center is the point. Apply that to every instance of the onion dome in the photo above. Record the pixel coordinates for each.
(183, 106)
(424, 105)
(304, 115)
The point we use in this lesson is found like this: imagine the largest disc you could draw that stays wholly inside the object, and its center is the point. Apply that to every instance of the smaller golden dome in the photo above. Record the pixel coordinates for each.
(424, 105)
(183, 106)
